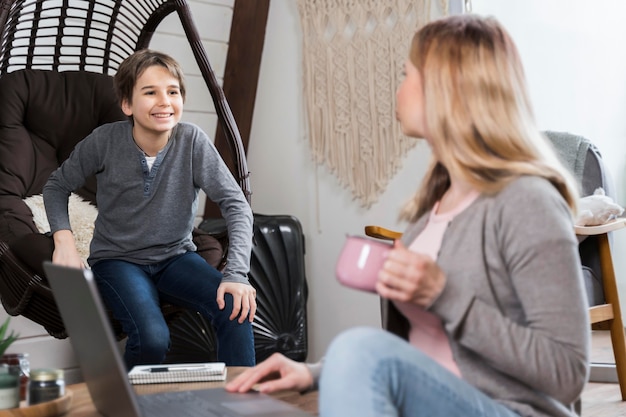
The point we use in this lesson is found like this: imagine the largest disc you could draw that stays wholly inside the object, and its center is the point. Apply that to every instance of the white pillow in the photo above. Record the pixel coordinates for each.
(82, 218)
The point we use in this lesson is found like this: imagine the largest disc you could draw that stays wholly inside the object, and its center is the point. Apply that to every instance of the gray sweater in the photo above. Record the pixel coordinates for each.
(147, 216)
(514, 306)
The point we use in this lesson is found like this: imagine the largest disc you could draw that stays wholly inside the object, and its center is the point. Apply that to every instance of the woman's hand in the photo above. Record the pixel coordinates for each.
(244, 299)
(290, 375)
(65, 252)
(410, 277)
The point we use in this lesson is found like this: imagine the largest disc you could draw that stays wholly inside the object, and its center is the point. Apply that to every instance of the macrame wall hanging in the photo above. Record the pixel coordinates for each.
(354, 52)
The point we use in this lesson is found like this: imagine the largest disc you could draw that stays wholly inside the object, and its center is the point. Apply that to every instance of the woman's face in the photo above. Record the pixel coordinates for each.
(410, 103)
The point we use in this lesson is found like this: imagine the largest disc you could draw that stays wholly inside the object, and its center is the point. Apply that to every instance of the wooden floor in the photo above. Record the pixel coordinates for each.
(602, 400)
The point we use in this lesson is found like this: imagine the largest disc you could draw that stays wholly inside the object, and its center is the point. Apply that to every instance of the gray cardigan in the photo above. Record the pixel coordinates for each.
(514, 306)
(146, 216)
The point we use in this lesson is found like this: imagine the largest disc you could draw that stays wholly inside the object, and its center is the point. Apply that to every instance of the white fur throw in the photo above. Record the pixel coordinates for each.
(82, 217)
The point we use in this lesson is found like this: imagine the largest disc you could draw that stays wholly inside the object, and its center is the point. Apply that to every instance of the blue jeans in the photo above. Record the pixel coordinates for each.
(370, 372)
(133, 291)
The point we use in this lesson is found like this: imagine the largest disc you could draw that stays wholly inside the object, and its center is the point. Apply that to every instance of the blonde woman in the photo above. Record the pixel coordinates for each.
(485, 287)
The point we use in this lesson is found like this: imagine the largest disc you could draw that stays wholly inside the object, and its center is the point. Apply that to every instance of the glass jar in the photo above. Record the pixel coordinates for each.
(20, 366)
(45, 385)
(9, 389)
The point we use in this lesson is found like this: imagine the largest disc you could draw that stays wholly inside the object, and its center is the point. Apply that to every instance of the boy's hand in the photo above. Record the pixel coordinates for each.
(244, 299)
(65, 252)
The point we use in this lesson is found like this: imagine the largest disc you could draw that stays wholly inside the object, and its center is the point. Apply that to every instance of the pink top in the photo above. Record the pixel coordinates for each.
(426, 331)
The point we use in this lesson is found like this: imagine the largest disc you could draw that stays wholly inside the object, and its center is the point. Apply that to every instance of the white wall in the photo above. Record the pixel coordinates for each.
(576, 67)
(284, 180)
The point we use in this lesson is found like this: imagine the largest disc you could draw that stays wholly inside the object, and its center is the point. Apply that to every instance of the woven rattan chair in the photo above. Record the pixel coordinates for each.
(53, 39)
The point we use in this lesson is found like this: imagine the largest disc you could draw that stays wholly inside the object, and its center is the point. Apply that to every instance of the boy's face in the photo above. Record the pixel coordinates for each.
(157, 104)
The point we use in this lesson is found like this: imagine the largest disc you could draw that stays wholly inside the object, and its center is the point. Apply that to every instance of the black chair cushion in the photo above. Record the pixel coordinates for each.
(43, 114)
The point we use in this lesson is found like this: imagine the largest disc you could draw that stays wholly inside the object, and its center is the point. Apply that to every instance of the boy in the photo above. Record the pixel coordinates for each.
(149, 170)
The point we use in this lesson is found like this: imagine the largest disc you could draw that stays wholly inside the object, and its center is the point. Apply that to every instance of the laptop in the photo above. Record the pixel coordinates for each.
(103, 369)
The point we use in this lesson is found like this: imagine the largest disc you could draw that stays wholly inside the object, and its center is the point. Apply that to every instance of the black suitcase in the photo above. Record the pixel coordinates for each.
(277, 272)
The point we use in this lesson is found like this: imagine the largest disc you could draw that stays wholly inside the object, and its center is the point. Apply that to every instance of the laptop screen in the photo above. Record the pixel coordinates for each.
(92, 339)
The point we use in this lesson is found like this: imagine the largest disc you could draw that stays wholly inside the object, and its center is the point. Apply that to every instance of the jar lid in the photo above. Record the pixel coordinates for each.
(44, 374)
(13, 355)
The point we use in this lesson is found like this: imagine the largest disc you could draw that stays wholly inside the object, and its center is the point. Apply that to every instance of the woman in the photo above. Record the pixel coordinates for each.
(485, 283)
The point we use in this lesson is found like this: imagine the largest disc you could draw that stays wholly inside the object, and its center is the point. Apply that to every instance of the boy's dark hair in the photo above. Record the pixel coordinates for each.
(132, 67)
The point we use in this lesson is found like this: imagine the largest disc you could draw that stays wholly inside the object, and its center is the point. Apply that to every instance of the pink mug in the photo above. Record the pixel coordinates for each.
(360, 261)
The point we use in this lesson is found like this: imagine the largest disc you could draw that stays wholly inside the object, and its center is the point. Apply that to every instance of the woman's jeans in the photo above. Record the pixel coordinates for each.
(370, 372)
(132, 292)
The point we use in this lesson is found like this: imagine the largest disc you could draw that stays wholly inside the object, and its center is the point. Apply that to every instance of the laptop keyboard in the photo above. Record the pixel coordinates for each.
(179, 404)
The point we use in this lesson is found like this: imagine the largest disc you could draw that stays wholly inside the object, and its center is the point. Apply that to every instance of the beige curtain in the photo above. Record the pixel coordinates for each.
(353, 55)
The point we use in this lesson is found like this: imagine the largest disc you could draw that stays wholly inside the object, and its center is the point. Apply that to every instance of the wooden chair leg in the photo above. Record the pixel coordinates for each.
(618, 338)
(619, 350)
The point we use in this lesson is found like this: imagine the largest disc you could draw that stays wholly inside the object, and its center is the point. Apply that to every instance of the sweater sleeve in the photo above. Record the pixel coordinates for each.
(216, 180)
(538, 335)
(71, 175)
(316, 371)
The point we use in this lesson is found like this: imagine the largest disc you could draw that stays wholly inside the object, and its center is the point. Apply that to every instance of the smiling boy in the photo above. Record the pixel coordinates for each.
(149, 170)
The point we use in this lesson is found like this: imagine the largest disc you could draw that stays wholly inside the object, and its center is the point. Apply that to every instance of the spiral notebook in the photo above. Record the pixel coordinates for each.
(181, 372)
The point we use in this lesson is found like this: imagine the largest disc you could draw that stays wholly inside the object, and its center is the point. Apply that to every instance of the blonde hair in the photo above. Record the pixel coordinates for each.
(478, 115)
